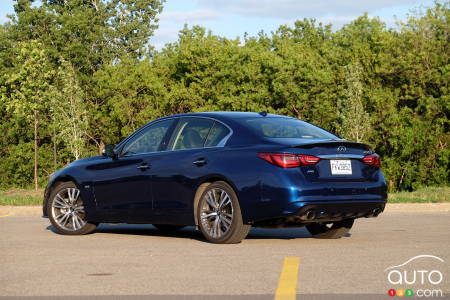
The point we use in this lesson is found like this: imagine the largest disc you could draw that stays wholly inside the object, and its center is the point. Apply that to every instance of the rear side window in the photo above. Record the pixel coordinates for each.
(217, 135)
(287, 128)
(190, 133)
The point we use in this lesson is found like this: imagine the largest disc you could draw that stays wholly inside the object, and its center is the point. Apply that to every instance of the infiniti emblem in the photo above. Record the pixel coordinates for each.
(341, 149)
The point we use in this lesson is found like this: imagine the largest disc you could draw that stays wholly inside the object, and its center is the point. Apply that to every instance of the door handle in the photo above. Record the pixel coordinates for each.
(143, 167)
(200, 162)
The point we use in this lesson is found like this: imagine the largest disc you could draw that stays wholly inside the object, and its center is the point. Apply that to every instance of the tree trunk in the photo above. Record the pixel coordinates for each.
(35, 152)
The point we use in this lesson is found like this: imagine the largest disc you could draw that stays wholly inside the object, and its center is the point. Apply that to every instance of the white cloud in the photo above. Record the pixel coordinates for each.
(294, 9)
(163, 36)
(171, 22)
(194, 16)
(4, 19)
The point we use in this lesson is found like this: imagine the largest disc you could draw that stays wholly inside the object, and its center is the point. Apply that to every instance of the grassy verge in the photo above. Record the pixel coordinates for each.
(422, 195)
(19, 197)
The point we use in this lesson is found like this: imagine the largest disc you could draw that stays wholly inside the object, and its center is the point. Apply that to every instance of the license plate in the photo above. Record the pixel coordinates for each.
(341, 167)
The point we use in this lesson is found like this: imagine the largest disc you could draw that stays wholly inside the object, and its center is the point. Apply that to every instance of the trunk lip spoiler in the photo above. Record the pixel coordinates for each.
(330, 156)
(341, 142)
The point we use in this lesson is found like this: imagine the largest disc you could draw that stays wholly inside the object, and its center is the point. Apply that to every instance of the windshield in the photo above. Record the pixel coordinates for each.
(287, 128)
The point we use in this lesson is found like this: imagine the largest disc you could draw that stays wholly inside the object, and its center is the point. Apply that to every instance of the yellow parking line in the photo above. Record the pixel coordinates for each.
(287, 284)
(8, 215)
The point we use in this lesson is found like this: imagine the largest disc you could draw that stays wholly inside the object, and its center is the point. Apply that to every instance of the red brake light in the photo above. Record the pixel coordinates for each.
(285, 160)
(372, 160)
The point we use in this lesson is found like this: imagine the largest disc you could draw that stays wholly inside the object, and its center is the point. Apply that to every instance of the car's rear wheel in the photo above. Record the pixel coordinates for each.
(333, 230)
(168, 227)
(65, 210)
(219, 215)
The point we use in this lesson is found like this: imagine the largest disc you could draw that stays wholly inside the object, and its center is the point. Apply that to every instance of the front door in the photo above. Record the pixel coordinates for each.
(122, 186)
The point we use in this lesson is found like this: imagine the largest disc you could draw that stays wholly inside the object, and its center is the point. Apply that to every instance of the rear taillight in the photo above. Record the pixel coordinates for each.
(372, 160)
(285, 160)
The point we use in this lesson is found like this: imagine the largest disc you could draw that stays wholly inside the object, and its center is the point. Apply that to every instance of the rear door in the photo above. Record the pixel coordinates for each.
(177, 171)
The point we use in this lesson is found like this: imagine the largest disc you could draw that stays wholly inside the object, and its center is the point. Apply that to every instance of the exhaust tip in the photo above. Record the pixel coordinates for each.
(308, 215)
(376, 212)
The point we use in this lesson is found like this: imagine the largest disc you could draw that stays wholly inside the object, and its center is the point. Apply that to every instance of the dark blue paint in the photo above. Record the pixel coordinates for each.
(115, 190)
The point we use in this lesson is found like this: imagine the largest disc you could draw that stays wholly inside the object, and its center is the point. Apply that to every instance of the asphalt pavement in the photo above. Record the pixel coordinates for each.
(139, 262)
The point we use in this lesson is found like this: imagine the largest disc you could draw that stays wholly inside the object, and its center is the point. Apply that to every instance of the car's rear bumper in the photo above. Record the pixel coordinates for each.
(325, 212)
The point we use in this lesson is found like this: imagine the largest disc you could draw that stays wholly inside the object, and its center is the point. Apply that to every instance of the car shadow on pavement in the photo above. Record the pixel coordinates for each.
(191, 233)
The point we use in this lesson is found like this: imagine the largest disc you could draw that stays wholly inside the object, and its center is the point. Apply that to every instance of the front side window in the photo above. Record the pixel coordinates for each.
(287, 128)
(148, 140)
(190, 133)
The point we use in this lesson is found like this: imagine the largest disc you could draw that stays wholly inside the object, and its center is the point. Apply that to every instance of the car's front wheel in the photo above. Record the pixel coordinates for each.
(65, 210)
(219, 215)
(333, 230)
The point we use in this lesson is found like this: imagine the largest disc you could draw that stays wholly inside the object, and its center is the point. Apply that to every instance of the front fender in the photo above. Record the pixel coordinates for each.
(83, 185)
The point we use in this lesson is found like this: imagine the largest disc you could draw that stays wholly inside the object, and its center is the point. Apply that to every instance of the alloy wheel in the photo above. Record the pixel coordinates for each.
(216, 212)
(68, 210)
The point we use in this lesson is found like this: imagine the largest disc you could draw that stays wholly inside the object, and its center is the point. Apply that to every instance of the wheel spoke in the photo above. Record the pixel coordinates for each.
(60, 217)
(227, 215)
(73, 194)
(227, 221)
(210, 200)
(215, 227)
(205, 216)
(226, 224)
(64, 220)
(218, 229)
(216, 201)
(82, 222)
(77, 220)
(79, 209)
(59, 203)
(224, 200)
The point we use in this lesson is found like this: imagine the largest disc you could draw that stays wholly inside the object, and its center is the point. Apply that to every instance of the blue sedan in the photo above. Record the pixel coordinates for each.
(222, 172)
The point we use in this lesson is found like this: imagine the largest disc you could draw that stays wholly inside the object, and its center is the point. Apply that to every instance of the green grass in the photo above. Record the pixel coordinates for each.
(422, 195)
(19, 197)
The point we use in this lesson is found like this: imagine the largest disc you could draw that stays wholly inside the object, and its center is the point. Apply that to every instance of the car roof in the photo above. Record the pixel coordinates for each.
(227, 115)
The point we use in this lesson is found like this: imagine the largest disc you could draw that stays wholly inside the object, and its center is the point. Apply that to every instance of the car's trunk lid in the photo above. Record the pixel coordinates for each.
(340, 160)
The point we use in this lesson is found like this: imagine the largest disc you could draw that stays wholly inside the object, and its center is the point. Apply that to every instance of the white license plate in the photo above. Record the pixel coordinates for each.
(341, 167)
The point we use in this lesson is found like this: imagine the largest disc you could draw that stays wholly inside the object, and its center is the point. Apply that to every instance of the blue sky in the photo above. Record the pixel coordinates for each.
(232, 18)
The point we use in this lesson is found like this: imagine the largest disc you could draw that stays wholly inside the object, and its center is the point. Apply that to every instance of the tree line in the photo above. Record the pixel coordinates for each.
(76, 75)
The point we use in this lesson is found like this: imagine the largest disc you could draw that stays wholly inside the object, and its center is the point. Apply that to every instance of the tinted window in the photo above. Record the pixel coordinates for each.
(191, 133)
(287, 128)
(217, 135)
(148, 140)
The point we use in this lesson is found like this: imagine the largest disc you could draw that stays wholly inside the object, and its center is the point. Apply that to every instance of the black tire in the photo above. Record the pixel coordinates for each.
(86, 228)
(334, 230)
(168, 227)
(237, 230)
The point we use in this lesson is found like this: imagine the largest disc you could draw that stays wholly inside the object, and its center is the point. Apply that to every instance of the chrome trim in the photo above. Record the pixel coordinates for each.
(327, 156)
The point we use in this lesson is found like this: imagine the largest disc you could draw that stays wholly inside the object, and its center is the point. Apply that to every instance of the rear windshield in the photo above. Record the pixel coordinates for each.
(287, 128)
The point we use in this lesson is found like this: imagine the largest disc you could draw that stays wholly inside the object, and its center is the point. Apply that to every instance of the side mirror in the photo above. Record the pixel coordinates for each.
(109, 151)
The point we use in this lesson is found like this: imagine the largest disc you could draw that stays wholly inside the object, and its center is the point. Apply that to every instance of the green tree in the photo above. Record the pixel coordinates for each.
(68, 112)
(353, 121)
(28, 92)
